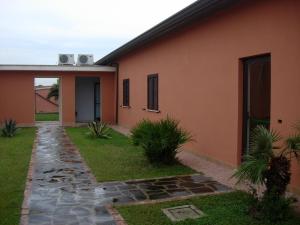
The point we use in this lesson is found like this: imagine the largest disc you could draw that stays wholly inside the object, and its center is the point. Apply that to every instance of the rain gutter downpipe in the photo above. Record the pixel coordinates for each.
(116, 65)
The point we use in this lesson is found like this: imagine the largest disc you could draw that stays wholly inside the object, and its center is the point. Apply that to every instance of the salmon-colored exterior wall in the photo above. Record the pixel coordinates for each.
(17, 97)
(19, 104)
(200, 76)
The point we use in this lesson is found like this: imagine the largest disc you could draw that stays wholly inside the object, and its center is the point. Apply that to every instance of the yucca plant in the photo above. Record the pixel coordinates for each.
(269, 165)
(160, 140)
(99, 130)
(9, 128)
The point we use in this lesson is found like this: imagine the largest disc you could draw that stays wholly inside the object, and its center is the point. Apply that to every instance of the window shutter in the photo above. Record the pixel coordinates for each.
(126, 92)
(152, 92)
(155, 92)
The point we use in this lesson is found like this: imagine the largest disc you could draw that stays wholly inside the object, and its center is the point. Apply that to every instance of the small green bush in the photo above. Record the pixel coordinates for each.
(271, 207)
(10, 128)
(141, 130)
(99, 130)
(275, 208)
(160, 139)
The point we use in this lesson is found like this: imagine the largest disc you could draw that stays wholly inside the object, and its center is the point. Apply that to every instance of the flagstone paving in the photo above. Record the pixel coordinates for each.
(64, 192)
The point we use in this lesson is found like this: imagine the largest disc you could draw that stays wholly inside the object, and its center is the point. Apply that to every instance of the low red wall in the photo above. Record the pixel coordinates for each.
(43, 104)
(17, 95)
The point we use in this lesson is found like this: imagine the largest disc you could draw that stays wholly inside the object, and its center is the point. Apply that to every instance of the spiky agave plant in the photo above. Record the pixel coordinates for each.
(10, 128)
(99, 129)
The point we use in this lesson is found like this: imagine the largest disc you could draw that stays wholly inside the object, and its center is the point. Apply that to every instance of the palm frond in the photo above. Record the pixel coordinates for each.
(257, 161)
(297, 127)
(253, 170)
(54, 92)
(262, 142)
(292, 143)
(293, 146)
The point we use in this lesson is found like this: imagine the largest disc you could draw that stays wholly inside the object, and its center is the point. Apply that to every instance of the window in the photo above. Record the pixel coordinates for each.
(152, 84)
(126, 92)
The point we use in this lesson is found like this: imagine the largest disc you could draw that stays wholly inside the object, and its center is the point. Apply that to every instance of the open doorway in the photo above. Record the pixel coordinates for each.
(87, 99)
(47, 99)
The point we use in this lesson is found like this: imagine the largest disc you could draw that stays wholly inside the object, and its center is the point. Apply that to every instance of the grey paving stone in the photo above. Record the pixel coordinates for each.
(81, 211)
(107, 223)
(178, 192)
(160, 195)
(201, 190)
(39, 219)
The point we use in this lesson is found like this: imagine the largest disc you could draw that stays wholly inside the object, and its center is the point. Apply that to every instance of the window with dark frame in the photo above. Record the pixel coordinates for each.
(126, 92)
(152, 86)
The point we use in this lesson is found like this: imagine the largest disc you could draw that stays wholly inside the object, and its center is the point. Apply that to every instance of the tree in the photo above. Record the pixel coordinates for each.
(54, 91)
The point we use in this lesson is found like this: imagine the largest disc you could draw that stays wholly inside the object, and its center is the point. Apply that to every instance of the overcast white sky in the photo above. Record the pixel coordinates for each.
(36, 31)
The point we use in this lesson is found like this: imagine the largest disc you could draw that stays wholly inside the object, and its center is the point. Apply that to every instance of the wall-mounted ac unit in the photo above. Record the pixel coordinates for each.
(85, 59)
(66, 59)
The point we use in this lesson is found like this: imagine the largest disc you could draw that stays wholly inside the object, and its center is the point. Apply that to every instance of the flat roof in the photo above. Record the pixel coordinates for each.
(58, 68)
(195, 12)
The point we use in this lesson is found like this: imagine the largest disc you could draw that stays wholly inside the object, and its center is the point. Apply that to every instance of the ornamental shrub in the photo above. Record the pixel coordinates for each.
(161, 140)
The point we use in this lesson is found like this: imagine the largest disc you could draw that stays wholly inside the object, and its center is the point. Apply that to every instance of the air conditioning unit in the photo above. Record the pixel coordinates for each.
(85, 59)
(66, 59)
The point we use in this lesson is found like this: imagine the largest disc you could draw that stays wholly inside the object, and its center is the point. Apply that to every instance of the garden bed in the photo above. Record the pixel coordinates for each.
(117, 159)
(222, 209)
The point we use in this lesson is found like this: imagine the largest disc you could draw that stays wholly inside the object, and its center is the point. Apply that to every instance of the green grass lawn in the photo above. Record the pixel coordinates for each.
(117, 159)
(15, 155)
(46, 117)
(225, 209)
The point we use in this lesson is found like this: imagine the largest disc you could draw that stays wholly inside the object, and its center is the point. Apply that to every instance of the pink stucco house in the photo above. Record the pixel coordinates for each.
(219, 66)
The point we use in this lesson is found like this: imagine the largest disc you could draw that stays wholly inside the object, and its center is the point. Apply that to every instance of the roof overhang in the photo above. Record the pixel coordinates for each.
(57, 68)
(194, 12)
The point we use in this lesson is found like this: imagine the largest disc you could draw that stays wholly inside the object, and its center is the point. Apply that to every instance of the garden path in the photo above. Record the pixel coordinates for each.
(64, 192)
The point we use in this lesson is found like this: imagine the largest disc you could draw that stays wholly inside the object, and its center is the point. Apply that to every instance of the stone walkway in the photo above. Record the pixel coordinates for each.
(64, 192)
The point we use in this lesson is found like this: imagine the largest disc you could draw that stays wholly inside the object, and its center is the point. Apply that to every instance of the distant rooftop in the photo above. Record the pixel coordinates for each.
(90, 68)
(42, 87)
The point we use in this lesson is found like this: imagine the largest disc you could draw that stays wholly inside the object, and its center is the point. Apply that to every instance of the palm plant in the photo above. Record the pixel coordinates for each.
(161, 140)
(262, 150)
(269, 165)
(54, 91)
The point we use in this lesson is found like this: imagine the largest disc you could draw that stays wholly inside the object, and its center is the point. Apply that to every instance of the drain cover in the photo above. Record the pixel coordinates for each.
(183, 212)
